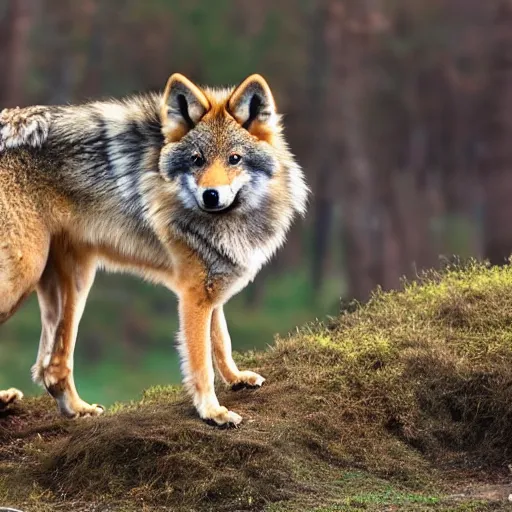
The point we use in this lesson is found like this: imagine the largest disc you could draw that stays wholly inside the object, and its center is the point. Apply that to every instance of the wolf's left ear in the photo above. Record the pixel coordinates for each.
(253, 106)
(183, 106)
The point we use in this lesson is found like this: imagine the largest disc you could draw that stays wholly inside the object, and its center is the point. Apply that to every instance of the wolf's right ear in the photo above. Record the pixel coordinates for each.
(183, 106)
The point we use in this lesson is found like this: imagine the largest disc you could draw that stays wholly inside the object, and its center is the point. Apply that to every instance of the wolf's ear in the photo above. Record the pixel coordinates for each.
(253, 106)
(183, 106)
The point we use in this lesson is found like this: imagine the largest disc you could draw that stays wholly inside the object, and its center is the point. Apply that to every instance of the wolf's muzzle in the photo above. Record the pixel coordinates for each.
(216, 199)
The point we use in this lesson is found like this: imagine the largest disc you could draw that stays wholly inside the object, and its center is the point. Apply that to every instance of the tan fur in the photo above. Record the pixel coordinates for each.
(217, 174)
(24, 242)
(221, 343)
(55, 232)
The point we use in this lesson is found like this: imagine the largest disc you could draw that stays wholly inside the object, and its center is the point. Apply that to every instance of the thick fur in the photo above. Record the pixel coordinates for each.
(24, 127)
(119, 184)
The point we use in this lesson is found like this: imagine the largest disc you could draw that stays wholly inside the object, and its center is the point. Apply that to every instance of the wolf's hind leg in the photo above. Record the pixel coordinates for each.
(227, 367)
(24, 243)
(9, 396)
(62, 293)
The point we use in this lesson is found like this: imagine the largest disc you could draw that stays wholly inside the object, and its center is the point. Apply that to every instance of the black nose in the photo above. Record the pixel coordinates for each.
(211, 198)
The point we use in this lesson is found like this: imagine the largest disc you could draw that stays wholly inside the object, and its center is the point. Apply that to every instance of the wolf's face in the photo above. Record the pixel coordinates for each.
(219, 145)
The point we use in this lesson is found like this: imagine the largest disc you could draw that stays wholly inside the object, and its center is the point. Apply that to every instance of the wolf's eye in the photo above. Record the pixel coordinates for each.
(197, 160)
(234, 159)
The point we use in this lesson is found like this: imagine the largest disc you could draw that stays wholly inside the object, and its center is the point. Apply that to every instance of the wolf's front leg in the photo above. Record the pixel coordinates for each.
(62, 293)
(227, 367)
(196, 360)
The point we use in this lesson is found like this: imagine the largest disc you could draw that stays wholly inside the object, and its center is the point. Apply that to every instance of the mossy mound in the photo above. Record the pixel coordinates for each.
(412, 390)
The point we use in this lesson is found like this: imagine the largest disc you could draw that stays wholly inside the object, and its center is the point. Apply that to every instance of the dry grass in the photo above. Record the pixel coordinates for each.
(411, 393)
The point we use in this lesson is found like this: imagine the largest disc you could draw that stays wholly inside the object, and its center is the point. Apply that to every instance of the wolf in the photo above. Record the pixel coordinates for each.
(194, 189)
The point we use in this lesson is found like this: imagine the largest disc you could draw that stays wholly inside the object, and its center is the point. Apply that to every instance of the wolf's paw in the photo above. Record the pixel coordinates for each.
(221, 417)
(79, 409)
(247, 379)
(87, 410)
(9, 396)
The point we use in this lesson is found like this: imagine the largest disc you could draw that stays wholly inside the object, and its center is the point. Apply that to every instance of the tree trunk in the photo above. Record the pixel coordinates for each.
(323, 166)
(91, 87)
(15, 42)
(347, 39)
(497, 154)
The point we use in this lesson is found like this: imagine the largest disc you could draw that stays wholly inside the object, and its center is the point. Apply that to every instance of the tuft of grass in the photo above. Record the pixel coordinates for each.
(395, 404)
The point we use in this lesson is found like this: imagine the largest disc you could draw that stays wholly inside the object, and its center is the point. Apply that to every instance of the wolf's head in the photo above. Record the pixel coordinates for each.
(225, 148)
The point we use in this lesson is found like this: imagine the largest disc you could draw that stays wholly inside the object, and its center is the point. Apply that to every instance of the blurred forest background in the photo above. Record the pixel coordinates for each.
(400, 112)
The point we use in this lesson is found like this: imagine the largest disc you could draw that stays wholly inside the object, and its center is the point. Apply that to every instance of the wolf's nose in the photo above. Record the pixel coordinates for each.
(211, 198)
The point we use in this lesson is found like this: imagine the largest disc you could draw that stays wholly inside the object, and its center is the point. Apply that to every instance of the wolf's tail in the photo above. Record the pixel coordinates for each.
(24, 127)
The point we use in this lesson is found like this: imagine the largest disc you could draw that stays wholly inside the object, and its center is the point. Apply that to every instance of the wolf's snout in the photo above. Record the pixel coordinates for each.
(215, 199)
(211, 199)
